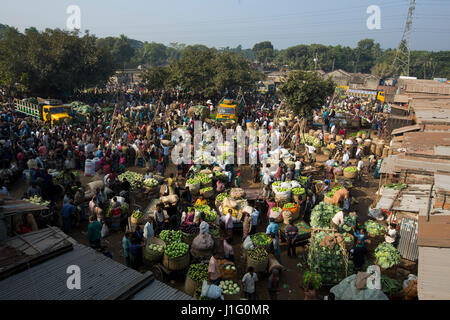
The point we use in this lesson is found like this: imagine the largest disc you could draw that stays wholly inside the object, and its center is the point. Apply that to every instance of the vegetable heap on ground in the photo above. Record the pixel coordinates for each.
(134, 178)
(350, 169)
(176, 249)
(395, 186)
(210, 214)
(80, 107)
(298, 191)
(258, 254)
(38, 200)
(229, 287)
(169, 236)
(198, 272)
(387, 255)
(261, 239)
(150, 182)
(328, 262)
(322, 214)
(374, 228)
(189, 228)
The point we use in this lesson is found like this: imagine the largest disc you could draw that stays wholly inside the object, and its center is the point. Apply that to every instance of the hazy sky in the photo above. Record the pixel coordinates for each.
(222, 23)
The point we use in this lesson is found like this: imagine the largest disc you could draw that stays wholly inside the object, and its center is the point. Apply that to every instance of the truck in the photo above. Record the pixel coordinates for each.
(230, 109)
(46, 110)
(373, 94)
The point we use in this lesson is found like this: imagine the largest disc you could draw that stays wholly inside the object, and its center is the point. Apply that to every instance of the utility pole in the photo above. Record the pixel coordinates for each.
(402, 57)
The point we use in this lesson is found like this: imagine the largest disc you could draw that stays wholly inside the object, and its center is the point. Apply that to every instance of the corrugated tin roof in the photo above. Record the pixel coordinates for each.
(406, 129)
(100, 277)
(434, 273)
(158, 290)
(442, 182)
(396, 163)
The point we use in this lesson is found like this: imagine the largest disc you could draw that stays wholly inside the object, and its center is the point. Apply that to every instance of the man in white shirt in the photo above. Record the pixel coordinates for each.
(338, 218)
(360, 168)
(391, 234)
(149, 232)
(249, 281)
(297, 168)
(346, 157)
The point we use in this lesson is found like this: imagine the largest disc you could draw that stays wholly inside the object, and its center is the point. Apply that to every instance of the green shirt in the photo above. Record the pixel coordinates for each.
(94, 231)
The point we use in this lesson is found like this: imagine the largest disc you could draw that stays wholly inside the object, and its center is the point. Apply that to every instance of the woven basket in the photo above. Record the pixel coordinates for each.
(190, 286)
(175, 264)
(350, 175)
(151, 256)
(258, 266)
(328, 200)
(207, 194)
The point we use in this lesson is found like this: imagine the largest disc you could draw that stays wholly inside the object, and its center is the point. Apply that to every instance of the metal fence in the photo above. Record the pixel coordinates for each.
(408, 239)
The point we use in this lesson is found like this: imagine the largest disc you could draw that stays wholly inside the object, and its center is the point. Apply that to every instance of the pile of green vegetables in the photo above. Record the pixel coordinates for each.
(219, 174)
(210, 214)
(261, 239)
(214, 232)
(387, 255)
(176, 249)
(276, 209)
(303, 180)
(374, 228)
(80, 107)
(206, 189)
(313, 279)
(333, 191)
(198, 272)
(192, 181)
(390, 286)
(221, 196)
(395, 186)
(150, 182)
(135, 179)
(156, 247)
(329, 263)
(322, 214)
(229, 287)
(170, 236)
(350, 169)
(137, 214)
(282, 189)
(298, 191)
(230, 267)
(276, 183)
(349, 222)
(203, 178)
(39, 201)
(258, 254)
(289, 205)
(311, 140)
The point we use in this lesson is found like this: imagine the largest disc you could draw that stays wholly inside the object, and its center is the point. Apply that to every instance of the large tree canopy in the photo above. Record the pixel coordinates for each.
(264, 51)
(304, 91)
(53, 62)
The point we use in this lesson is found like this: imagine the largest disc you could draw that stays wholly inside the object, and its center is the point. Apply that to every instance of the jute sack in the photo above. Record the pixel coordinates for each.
(287, 216)
(94, 185)
(230, 203)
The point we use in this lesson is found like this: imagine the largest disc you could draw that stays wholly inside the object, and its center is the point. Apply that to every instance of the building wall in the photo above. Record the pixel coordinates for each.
(434, 273)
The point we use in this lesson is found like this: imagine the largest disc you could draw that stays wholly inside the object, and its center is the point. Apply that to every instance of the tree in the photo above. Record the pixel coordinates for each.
(304, 91)
(121, 49)
(154, 54)
(53, 62)
(264, 52)
(155, 78)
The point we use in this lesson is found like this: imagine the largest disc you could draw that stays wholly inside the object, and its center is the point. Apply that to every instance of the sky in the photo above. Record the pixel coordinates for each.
(222, 23)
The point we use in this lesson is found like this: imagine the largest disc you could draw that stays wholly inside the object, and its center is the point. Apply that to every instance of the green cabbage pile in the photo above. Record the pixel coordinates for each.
(374, 228)
(322, 214)
(329, 263)
(350, 169)
(298, 191)
(221, 196)
(349, 222)
(387, 255)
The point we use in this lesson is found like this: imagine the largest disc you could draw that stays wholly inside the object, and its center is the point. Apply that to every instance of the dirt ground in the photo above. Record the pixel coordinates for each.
(364, 194)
